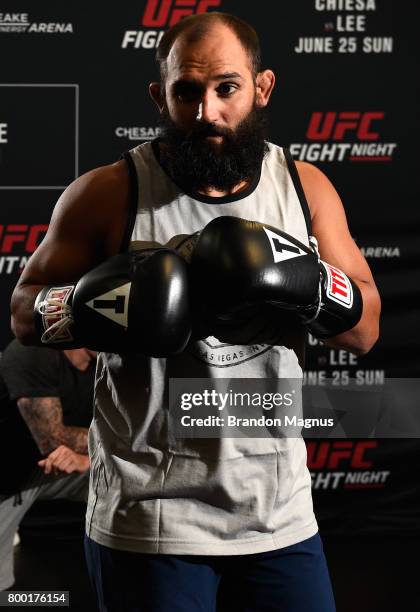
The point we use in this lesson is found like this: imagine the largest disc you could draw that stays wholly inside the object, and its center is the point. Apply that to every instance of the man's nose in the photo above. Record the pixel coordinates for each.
(207, 109)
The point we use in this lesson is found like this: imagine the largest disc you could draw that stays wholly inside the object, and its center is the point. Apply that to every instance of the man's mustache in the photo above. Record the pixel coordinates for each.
(204, 130)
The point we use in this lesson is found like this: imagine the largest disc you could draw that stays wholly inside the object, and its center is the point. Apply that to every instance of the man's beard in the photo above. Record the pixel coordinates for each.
(197, 164)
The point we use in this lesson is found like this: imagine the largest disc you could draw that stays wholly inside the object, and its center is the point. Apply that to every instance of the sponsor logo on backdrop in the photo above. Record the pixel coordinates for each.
(3, 133)
(344, 464)
(23, 23)
(159, 15)
(346, 27)
(338, 367)
(136, 132)
(380, 252)
(17, 243)
(351, 136)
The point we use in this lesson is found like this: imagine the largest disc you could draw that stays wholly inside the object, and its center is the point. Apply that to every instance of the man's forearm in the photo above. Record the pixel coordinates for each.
(44, 417)
(364, 335)
(75, 438)
(22, 307)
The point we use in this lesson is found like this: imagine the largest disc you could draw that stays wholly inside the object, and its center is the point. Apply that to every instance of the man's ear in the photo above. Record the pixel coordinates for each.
(264, 86)
(155, 92)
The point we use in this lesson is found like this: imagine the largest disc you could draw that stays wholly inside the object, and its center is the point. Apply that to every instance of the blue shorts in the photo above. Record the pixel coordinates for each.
(290, 579)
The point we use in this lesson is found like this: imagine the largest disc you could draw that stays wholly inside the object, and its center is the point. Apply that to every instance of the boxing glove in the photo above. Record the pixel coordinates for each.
(135, 302)
(236, 264)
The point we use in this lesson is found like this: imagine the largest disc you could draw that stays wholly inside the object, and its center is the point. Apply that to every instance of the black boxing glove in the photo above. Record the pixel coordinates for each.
(237, 263)
(135, 302)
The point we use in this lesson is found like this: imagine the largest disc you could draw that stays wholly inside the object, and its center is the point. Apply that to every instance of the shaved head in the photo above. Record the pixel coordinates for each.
(196, 27)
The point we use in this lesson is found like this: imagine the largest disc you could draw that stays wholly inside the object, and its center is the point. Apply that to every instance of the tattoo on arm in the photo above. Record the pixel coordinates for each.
(44, 417)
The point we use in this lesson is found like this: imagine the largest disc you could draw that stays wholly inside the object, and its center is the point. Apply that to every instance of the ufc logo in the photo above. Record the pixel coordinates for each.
(334, 126)
(162, 13)
(331, 455)
(29, 236)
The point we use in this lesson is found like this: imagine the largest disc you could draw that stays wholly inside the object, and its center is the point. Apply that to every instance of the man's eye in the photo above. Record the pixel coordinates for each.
(226, 89)
(187, 94)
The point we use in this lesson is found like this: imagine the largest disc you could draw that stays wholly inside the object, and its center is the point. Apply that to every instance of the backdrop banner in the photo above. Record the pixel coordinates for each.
(74, 96)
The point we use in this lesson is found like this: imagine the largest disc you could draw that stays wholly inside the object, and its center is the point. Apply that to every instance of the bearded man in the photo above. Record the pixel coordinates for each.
(206, 254)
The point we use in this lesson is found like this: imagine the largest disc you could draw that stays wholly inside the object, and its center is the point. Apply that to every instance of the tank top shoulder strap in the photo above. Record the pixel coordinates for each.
(134, 194)
(299, 189)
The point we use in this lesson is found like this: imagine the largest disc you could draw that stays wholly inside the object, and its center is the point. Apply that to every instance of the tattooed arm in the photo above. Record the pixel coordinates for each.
(44, 417)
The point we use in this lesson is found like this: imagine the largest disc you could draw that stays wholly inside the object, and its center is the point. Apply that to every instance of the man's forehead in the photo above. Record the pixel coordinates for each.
(219, 52)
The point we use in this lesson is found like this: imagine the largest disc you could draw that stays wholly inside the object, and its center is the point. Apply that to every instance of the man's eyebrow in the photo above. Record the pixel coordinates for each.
(228, 75)
(197, 83)
(185, 81)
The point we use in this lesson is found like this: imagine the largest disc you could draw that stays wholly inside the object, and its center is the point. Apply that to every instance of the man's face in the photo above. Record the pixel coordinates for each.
(209, 81)
(211, 113)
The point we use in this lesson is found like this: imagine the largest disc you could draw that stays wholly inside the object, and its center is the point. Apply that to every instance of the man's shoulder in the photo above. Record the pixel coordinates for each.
(93, 196)
(104, 180)
(319, 190)
(313, 176)
(92, 210)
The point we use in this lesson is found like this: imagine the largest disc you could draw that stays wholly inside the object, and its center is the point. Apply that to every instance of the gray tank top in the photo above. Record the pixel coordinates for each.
(151, 493)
